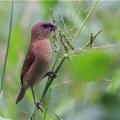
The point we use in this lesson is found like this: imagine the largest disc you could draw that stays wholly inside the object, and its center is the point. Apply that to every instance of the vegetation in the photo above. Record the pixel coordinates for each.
(85, 59)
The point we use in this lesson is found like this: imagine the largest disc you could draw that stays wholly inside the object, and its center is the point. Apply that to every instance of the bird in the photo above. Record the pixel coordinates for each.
(38, 59)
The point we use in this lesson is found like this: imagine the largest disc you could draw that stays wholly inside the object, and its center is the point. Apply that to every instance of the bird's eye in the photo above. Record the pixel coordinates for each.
(46, 25)
(49, 26)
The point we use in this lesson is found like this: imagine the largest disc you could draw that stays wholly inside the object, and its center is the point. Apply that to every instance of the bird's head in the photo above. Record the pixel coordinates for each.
(41, 30)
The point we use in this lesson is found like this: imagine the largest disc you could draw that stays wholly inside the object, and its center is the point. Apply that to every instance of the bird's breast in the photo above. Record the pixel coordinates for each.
(42, 50)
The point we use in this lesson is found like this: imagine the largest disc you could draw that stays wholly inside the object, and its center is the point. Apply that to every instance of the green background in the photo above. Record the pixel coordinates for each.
(87, 86)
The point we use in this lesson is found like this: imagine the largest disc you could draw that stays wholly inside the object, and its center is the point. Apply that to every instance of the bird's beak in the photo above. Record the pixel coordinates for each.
(53, 27)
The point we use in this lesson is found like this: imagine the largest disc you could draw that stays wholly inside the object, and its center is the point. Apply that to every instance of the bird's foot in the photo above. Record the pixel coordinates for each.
(38, 106)
(51, 74)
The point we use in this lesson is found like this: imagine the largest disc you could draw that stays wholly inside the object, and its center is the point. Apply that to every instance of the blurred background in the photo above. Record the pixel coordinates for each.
(87, 86)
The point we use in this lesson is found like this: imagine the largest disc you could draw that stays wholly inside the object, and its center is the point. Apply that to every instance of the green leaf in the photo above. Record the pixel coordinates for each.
(90, 66)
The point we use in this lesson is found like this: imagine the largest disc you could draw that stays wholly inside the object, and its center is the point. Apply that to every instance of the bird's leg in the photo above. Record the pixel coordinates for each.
(37, 103)
(51, 74)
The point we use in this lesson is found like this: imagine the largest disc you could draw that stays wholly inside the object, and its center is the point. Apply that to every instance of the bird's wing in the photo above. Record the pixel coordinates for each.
(29, 60)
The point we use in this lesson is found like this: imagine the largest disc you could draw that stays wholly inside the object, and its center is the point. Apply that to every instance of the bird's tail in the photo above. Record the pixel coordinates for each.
(21, 94)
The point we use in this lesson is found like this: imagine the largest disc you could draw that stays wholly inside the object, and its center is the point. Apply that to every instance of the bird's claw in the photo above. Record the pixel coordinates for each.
(51, 74)
(38, 106)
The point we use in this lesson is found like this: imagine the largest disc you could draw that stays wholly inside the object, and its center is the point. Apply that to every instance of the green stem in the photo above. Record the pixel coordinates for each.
(46, 108)
(83, 23)
(8, 44)
(51, 79)
(64, 25)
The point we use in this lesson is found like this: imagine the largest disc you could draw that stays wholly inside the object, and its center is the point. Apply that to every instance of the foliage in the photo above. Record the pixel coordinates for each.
(87, 84)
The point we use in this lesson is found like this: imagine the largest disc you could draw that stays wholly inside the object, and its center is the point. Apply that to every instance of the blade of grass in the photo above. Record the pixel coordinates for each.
(58, 117)
(46, 107)
(8, 44)
(65, 27)
(80, 11)
(85, 20)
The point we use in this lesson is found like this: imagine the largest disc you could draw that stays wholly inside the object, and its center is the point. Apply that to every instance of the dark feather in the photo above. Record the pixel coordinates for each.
(21, 94)
(29, 60)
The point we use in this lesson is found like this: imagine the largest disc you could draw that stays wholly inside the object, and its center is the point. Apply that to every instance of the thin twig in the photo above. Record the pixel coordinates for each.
(68, 42)
(8, 44)
(92, 39)
(62, 19)
(65, 46)
(85, 20)
(77, 13)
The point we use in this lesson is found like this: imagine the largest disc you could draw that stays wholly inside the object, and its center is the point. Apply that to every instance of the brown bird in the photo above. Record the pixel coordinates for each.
(38, 59)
